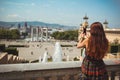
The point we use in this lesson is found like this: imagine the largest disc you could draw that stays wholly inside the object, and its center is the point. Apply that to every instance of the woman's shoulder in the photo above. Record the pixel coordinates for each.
(86, 40)
(82, 44)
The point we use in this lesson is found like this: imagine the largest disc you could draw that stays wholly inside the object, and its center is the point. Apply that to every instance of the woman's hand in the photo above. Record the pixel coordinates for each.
(82, 35)
(87, 35)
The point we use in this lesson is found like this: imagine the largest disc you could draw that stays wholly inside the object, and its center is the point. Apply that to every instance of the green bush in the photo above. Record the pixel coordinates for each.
(2, 47)
(50, 59)
(64, 60)
(76, 59)
(16, 45)
(114, 48)
(25, 61)
(119, 48)
(66, 45)
(11, 50)
(9, 34)
(66, 35)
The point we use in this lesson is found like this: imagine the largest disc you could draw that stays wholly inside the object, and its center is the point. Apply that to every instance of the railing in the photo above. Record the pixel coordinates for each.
(51, 71)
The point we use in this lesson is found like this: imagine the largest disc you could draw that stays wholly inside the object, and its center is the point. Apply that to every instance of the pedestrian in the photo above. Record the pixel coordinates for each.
(96, 46)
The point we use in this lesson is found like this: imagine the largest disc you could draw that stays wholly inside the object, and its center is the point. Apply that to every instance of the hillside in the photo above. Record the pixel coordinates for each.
(35, 23)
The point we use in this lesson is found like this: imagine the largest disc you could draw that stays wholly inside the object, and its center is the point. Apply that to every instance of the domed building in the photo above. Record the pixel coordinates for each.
(105, 24)
(112, 34)
(83, 26)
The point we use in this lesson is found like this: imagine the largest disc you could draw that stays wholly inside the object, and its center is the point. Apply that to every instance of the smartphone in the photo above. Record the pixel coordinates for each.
(84, 31)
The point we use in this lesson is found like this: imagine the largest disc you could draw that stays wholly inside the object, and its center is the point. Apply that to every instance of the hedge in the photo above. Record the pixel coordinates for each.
(114, 48)
(16, 45)
(66, 45)
(2, 47)
(11, 50)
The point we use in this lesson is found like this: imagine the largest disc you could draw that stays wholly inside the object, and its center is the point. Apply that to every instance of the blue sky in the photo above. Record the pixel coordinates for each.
(66, 12)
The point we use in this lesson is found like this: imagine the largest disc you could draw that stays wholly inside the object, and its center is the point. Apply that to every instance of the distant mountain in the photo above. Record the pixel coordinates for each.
(36, 23)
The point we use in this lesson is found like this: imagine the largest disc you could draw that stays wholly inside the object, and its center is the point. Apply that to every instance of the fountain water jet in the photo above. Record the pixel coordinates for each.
(57, 56)
(39, 59)
(45, 57)
(67, 58)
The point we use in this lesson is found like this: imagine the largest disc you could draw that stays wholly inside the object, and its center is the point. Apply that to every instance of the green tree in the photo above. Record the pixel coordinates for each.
(24, 34)
(15, 34)
(66, 35)
(9, 34)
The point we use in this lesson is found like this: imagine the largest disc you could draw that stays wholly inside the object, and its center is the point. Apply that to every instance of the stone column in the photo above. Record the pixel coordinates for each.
(46, 34)
(31, 33)
(41, 34)
(37, 34)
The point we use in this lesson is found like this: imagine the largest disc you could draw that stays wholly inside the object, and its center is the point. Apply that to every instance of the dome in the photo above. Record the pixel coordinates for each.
(105, 22)
(85, 17)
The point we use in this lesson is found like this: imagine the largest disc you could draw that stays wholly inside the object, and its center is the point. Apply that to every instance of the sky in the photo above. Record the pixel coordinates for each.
(65, 12)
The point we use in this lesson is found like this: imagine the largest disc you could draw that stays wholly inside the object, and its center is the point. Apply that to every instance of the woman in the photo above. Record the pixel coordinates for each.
(93, 67)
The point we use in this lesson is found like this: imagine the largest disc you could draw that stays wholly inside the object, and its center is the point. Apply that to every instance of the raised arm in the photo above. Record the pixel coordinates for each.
(82, 43)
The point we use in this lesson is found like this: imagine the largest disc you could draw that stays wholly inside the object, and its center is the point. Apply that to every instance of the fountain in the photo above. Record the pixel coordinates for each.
(39, 59)
(57, 56)
(67, 58)
(45, 57)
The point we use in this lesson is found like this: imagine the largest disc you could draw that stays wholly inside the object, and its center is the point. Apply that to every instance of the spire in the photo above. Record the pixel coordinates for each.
(105, 22)
(85, 17)
(85, 23)
(26, 24)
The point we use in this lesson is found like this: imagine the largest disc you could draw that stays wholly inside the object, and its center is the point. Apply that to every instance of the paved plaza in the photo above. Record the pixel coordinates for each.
(34, 50)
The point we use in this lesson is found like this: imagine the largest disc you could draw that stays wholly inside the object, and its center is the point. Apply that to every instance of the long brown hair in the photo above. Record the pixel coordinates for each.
(97, 43)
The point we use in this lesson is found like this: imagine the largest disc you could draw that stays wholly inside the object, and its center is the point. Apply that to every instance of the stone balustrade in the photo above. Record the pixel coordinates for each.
(6, 58)
(51, 71)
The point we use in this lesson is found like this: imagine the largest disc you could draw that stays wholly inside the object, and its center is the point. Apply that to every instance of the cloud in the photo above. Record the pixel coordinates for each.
(33, 4)
(14, 16)
(2, 9)
(20, 4)
(46, 5)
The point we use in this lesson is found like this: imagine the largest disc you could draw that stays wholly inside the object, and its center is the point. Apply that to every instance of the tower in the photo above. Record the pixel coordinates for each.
(41, 34)
(85, 23)
(105, 24)
(25, 26)
(83, 26)
(37, 33)
(19, 26)
(46, 34)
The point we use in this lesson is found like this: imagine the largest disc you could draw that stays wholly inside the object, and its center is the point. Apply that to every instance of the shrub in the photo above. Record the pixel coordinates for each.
(2, 47)
(116, 41)
(16, 46)
(12, 51)
(114, 48)
(76, 59)
(50, 59)
(66, 45)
